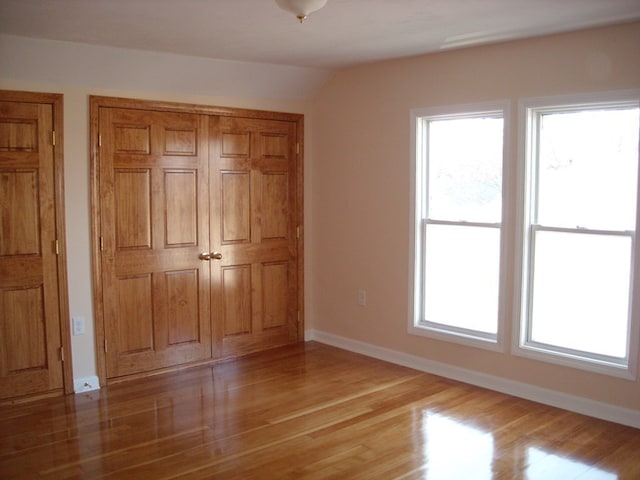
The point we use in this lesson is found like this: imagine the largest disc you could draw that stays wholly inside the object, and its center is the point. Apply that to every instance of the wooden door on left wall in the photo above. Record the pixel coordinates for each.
(32, 274)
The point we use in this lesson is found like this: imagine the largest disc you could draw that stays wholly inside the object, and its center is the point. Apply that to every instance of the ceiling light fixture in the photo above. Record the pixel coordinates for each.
(301, 8)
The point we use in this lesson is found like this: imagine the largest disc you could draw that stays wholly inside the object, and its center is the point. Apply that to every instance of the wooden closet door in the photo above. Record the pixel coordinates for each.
(154, 226)
(253, 198)
(30, 330)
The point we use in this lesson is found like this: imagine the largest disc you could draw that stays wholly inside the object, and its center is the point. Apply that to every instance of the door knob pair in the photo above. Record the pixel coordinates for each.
(210, 256)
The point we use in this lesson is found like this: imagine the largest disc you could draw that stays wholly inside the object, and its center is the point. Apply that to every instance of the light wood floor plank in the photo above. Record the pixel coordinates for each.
(307, 411)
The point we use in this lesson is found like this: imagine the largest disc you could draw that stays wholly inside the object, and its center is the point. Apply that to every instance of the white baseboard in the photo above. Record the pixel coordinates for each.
(592, 408)
(85, 384)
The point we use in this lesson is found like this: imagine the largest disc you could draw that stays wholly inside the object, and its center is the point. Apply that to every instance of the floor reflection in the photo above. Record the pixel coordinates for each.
(542, 465)
(454, 450)
(458, 448)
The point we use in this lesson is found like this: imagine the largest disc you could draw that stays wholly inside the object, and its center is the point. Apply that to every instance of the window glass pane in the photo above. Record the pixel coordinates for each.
(465, 169)
(461, 276)
(581, 292)
(588, 169)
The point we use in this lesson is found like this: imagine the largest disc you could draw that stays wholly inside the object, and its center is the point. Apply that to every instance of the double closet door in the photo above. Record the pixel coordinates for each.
(198, 246)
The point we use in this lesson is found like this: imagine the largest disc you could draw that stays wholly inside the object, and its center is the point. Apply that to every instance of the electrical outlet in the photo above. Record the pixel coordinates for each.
(78, 325)
(362, 297)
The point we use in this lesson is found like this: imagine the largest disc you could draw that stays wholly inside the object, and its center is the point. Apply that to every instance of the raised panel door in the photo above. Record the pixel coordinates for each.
(253, 225)
(197, 227)
(154, 225)
(30, 332)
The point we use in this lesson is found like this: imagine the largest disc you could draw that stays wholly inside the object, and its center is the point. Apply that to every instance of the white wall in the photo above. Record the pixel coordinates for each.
(78, 71)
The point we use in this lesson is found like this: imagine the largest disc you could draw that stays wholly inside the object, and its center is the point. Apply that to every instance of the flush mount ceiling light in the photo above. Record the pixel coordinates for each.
(301, 8)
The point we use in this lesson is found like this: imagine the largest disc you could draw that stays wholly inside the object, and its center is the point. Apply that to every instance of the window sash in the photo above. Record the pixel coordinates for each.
(534, 122)
(421, 119)
(450, 327)
(432, 184)
(531, 111)
(527, 340)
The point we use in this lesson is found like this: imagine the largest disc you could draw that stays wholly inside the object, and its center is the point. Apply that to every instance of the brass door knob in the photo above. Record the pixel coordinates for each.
(216, 255)
(204, 256)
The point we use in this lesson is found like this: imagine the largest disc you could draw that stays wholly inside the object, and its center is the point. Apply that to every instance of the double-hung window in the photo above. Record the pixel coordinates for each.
(570, 248)
(580, 191)
(458, 171)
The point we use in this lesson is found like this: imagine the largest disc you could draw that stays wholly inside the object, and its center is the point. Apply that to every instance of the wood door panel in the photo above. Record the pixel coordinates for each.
(275, 294)
(20, 271)
(275, 205)
(180, 141)
(235, 144)
(20, 233)
(30, 327)
(154, 170)
(18, 128)
(132, 139)
(133, 208)
(18, 135)
(184, 313)
(181, 208)
(236, 292)
(274, 145)
(23, 328)
(134, 318)
(236, 206)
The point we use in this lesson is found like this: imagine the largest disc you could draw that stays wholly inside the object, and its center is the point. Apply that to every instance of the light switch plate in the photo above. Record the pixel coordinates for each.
(78, 325)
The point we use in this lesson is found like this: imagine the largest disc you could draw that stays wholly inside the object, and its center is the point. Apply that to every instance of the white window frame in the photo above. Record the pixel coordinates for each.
(529, 109)
(417, 326)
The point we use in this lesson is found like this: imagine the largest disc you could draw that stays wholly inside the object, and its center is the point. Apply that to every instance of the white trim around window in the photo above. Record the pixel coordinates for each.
(421, 220)
(530, 228)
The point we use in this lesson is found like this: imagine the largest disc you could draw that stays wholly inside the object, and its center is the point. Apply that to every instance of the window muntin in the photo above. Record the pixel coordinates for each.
(579, 239)
(459, 160)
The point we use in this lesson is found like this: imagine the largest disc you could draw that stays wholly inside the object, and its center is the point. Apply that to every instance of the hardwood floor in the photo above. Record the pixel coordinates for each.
(307, 411)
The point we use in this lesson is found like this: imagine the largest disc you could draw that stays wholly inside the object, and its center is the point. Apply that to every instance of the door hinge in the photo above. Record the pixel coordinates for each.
(99, 140)
(57, 246)
(53, 138)
(298, 233)
(101, 243)
(62, 354)
(298, 148)
(298, 317)
(105, 346)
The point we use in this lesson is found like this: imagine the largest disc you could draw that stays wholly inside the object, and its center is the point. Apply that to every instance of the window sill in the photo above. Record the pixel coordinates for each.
(462, 337)
(547, 355)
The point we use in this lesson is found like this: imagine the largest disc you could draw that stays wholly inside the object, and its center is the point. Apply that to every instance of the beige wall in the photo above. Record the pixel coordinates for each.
(360, 178)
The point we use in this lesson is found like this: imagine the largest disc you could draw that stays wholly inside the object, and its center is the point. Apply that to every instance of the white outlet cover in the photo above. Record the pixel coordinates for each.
(362, 297)
(78, 325)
